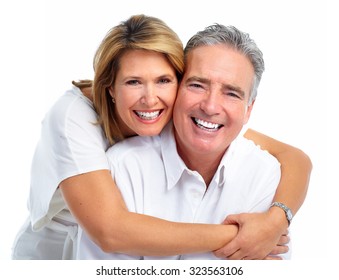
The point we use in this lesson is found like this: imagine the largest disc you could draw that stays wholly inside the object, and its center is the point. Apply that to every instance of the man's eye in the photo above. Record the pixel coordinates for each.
(233, 94)
(195, 86)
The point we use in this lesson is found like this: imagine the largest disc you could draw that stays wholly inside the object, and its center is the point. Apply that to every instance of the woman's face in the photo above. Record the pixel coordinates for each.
(144, 91)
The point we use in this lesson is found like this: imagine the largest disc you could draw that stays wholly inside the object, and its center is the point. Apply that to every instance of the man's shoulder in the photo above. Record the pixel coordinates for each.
(253, 168)
(134, 146)
(253, 153)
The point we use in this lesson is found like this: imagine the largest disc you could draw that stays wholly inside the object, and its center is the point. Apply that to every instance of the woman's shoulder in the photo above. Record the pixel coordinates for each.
(71, 108)
(73, 97)
(71, 102)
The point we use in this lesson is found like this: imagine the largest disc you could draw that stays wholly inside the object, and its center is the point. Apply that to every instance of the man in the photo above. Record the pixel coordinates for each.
(199, 169)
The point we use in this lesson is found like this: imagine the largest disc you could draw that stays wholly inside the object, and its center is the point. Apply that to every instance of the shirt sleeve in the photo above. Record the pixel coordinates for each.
(263, 198)
(71, 143)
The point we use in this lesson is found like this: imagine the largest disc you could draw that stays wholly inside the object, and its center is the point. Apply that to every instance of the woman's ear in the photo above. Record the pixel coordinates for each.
(111, 92)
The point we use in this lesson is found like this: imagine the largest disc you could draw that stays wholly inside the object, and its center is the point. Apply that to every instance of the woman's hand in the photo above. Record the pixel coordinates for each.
(260, 236)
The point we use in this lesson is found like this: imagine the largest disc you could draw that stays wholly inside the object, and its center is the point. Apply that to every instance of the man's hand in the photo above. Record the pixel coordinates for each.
(260, 236)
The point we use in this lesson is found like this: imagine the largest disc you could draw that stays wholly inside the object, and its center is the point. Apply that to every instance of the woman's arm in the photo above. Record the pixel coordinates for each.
(296, 169)
(98, 206)
(259, 233)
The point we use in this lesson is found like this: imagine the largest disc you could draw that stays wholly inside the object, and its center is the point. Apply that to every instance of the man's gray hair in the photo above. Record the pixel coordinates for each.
(229, 35)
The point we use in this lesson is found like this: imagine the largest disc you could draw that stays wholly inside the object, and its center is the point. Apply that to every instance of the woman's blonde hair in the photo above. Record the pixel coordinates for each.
(138, 32)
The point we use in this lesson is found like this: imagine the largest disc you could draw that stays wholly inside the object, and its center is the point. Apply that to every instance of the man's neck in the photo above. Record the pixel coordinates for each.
(205, 165)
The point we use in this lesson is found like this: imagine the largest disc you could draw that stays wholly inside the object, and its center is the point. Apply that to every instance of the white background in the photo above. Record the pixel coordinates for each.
(46, 45)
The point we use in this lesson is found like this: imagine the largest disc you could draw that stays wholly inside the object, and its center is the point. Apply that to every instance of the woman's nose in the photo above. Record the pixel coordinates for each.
(150, 97)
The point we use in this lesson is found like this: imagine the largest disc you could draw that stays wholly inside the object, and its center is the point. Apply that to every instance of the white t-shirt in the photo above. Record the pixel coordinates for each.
(71, 143)
(155, 181)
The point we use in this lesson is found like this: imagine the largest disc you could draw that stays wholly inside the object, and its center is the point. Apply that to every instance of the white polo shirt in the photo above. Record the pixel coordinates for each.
(155, 181)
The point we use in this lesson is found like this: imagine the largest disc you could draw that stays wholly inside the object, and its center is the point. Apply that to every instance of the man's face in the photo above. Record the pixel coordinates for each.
(212, 102)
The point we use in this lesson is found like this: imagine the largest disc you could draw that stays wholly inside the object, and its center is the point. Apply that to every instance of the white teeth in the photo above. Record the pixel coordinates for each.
(206, 125)
(148, 115)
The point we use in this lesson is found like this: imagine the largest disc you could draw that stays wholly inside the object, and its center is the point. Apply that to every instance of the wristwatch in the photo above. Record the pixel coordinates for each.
(288, 212)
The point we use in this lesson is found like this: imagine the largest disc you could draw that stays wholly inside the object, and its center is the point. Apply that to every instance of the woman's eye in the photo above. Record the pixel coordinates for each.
(164, 81)
(133, 82)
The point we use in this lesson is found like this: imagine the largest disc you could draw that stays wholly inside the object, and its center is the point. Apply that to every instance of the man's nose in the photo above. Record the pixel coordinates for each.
(211, 103)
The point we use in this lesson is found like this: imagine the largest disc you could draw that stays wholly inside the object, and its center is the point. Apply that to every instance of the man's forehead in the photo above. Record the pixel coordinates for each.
(220, 64)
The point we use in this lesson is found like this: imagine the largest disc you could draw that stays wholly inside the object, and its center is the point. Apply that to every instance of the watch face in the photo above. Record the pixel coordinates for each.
(289, 215)
(288, 212)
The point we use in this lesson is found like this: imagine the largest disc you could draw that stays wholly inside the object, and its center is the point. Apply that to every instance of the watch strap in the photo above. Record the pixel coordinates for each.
(288, 212)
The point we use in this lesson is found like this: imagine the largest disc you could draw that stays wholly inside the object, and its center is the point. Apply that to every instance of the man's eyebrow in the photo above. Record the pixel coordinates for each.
(224, 86)
(234, 88)
(198, 79)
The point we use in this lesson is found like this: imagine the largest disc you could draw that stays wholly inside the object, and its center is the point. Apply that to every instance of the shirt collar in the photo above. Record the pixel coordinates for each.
(224, 169)
(175, 167)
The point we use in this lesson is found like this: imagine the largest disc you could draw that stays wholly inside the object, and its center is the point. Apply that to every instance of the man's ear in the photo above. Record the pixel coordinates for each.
(248, 112)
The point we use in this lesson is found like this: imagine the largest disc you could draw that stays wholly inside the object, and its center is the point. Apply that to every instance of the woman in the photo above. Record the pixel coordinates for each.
(70, 172)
